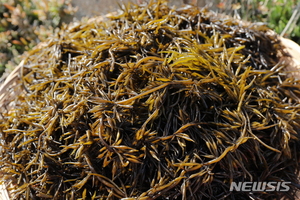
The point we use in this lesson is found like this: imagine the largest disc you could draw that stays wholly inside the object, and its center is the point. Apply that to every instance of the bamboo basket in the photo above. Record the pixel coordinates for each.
(12, 86)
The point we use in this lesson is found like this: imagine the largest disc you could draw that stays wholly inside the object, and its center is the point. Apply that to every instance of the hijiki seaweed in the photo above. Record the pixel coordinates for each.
(153, 103)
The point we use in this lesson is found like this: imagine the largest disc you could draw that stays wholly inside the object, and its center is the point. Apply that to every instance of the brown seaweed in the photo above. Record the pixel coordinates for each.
(154, 103)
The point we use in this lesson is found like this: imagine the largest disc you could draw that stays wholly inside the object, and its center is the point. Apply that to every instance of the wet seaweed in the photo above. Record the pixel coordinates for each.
(153, 103)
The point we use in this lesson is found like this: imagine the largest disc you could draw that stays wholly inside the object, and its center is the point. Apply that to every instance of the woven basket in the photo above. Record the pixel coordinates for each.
(12, 85)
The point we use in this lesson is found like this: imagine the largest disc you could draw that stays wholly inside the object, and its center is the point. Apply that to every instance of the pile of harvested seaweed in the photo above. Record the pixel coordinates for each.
(155, 103)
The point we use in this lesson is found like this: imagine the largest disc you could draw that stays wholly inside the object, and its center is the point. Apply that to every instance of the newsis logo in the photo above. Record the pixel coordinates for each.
(260, 186)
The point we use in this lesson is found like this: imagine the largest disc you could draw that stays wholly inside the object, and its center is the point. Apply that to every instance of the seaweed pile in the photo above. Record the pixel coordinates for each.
(154, 103)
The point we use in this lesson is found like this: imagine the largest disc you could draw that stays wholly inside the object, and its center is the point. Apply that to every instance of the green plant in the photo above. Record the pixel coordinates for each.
(25, 23)
(283, 16)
